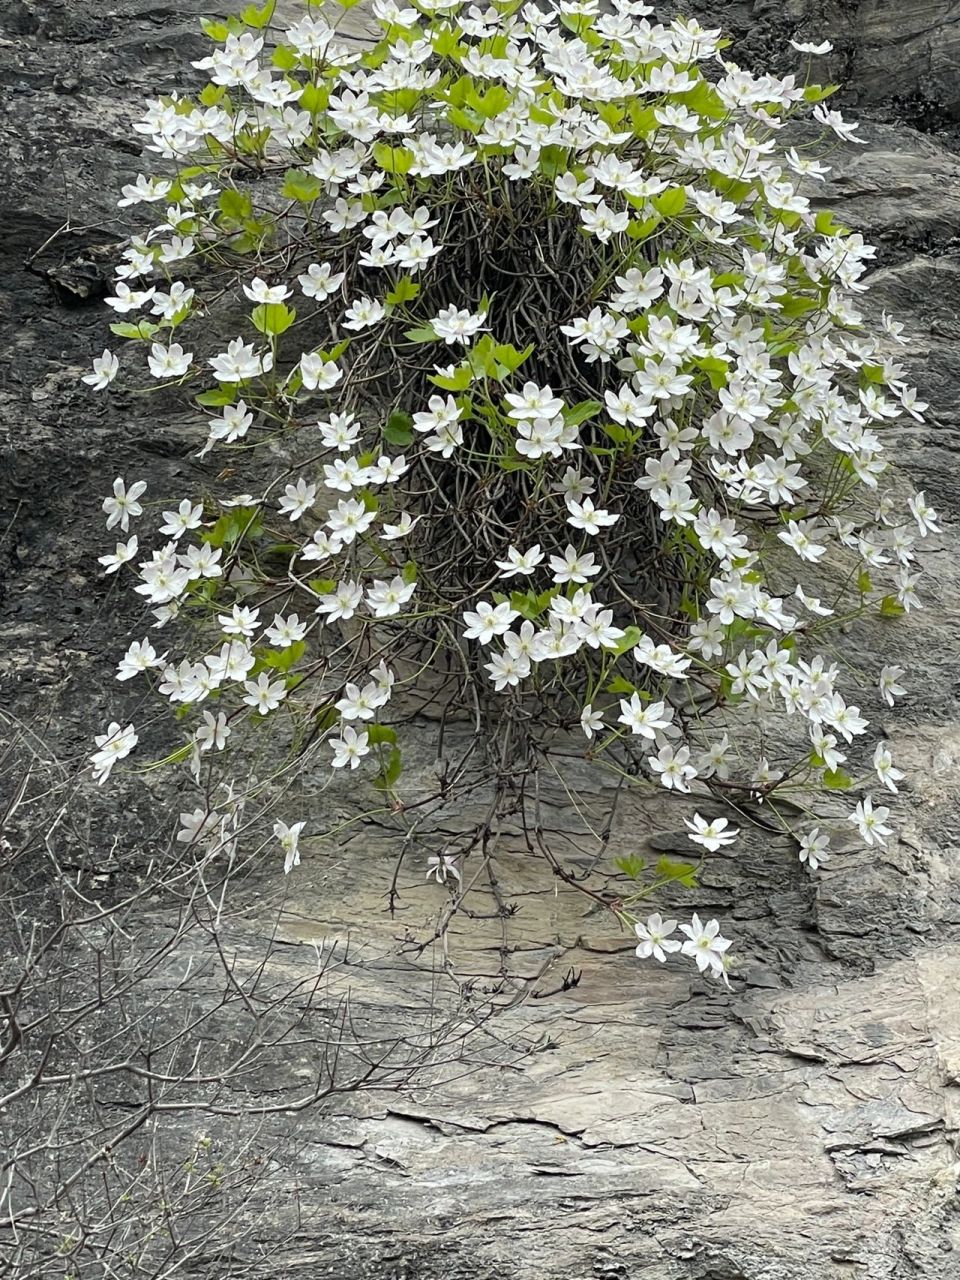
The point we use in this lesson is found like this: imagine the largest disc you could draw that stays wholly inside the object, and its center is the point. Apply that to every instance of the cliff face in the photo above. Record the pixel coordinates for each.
(633, 1126)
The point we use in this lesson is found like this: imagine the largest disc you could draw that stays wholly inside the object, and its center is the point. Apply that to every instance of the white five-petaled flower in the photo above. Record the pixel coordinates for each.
(123, 504)
(113, 745)
(488, 621)
(124, 553)
(349, 748)
(520, 562)
(889, 682)
(705, 945)
(644, 719)
(263, 694)
(871, 822)
(454, 324)
(712, 835)
(289, 837)
(814, 848)
(259, 291)
(214, 731)
(105, 369)
(655, 937)
(584, 515)
(442, 865)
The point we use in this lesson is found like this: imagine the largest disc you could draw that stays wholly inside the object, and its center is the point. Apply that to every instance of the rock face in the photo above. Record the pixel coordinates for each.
(624, 1122)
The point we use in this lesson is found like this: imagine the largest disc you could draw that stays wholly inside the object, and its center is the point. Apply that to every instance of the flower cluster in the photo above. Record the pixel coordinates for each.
(571, 383)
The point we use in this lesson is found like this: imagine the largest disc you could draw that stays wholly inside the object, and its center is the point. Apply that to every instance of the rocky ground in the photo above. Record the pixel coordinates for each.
(635, 1125)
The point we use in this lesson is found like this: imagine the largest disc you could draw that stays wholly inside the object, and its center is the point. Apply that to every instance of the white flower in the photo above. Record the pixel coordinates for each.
(320, 281)
(349, 748)
(711, 835)
(655, 938)
(924, 515)
(591, 721)
(105, 369)
(814, 848)
(644, 719)
(297, 499)
(259, 291)
(453, 324)
(533, 402)
(520, 562)
(239, 362)
(574, 566)
(123, 504)
(488, 621)
(705, 944)
(890, 686)
(289, 838)
(124, 553)
(169, 362)
(392, 532)
(214, 732)
(285, 631)
(442, 865)
(363, 312)
(263, 695)
(113, 745)
(673, 766)
(140, 657)
(584, 515)
(318, 374)
(241, 621)
(870, 822)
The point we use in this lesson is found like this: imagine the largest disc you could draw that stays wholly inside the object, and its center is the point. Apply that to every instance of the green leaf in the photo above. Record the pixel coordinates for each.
(234, 205)
(392, 159)
(837, 780)
(405, 290)
(211, 95)
(864, 582)
(258, 18)
(670, 202)
(424, 334)
(300, 186)
(445, 43)
(827, 225)
(391, 771)
(462, 377)
(619, 685)
(215, 29)
(233, 525)
(633, 867)
(285, 58)
(143, 331)
(218, 397)
(409, 572)
(581, 412)
(817, 92)
(282, 659)
(377, 733)
(507, 355)
(273, 317)
(314, 98)
(637, 230)
(529, 604)
(684, 873)
(398, 429)
(630, 639)
(890, 607)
